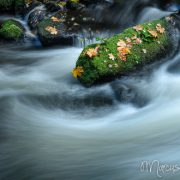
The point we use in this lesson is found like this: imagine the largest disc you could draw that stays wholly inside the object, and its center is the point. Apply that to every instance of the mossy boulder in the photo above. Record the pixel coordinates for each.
(11, 30)
(126, 52)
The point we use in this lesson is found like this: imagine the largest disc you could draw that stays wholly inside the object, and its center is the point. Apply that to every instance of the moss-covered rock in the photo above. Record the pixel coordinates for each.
(11, 30)
(125, 52)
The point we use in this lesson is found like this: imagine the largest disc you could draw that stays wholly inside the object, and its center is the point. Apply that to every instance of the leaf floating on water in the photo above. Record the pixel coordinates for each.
(78, 71)
(51, 30)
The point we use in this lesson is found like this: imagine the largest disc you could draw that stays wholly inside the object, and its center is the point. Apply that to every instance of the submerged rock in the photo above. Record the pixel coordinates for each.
(126, 52)
(11, 30)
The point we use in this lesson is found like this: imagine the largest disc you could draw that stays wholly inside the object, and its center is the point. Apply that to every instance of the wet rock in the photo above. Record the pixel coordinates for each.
(36, 17)
(65, 27)
(11, 30)
(54, 30)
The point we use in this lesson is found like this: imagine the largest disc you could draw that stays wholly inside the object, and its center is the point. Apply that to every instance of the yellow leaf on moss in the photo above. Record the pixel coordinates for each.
(78, 71)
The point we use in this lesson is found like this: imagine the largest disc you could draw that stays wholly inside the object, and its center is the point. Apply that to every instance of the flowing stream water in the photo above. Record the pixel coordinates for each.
(52, 128)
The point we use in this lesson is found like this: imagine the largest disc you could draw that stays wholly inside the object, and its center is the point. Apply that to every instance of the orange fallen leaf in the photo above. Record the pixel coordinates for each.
(160, 29)
(138, 28)
(92, 52)
(51, 30)
(121, 43)
(128, 40)
(55, 19)
(134, 37)
(78, 71)
(129, 43)
(123, 51)
(153, 33)
(123, 58)
(138, 41)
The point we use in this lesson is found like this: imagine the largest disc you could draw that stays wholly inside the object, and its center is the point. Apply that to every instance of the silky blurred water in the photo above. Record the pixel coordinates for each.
(53, 128)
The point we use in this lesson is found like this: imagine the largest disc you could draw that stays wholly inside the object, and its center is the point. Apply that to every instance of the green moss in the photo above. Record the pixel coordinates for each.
(11, 30)
(101, 67)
